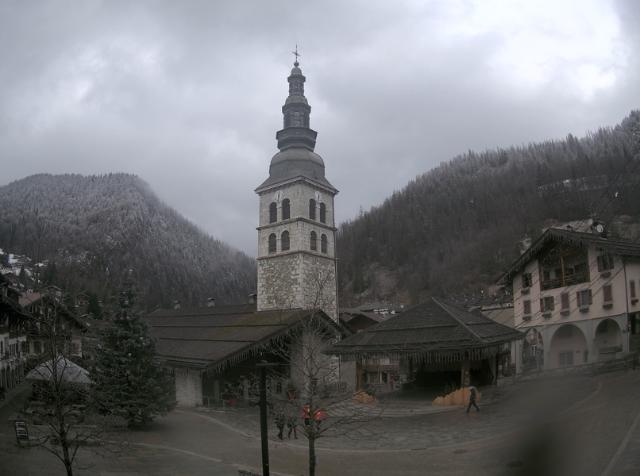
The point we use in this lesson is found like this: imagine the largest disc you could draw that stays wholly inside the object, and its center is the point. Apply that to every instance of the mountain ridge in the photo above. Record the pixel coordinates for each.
(91, 229)
(451, 230)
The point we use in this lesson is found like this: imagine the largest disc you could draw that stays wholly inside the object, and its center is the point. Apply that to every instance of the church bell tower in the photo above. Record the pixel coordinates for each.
(296, 232)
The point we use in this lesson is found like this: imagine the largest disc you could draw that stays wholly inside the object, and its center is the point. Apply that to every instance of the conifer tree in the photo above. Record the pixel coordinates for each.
(127, 381)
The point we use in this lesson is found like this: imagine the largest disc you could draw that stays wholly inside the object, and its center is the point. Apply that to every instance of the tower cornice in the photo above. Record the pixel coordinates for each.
(319, 224)
(267, 187)
(298, 252)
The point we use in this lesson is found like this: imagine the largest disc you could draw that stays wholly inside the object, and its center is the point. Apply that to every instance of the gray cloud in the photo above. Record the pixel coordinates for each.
(188, 94)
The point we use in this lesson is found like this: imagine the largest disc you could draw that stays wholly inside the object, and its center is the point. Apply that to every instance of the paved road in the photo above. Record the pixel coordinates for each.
(579, 426)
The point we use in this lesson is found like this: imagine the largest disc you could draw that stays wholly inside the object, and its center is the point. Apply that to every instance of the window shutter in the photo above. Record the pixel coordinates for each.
(607, 293)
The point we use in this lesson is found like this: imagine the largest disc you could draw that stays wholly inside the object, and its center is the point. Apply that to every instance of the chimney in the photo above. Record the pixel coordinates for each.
(211, 302)
(176, 304)
(253, 298)
(524, 244)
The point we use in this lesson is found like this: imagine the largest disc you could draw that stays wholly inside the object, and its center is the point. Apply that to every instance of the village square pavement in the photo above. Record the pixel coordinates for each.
(567, 426)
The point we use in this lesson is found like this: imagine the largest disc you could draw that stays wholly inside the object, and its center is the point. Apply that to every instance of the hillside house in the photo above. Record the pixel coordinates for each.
(13, 336)
(575, 296)
(48, 310)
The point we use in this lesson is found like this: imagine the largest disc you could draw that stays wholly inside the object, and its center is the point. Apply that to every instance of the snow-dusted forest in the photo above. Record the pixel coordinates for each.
(90, 230)
(454, 229)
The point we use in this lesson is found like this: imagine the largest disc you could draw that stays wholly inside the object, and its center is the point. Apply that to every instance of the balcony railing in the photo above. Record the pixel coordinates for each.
(566, 281)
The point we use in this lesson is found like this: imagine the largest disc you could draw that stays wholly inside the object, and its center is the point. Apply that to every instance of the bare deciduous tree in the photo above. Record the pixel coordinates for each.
(317, 391)
(60, 399)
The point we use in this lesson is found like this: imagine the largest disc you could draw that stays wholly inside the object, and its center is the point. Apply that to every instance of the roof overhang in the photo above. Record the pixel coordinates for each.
(618, 247)
(252, 348)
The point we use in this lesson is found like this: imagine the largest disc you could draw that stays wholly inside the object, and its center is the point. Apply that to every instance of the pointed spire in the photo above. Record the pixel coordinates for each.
(296, 131)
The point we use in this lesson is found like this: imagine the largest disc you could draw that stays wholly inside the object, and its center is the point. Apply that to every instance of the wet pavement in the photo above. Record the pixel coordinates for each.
(566, 426)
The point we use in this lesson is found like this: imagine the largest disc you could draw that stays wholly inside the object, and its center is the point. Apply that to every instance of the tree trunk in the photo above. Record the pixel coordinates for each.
(65, 452)
(312, 456)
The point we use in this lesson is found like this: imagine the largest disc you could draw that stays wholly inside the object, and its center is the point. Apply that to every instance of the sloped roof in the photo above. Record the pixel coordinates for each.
(354, 320)
(66, 371)
(434, 330)
(216, 336)
(500, 314)
(614, 246)
(349, 314)
(29, 299)
(7, 304)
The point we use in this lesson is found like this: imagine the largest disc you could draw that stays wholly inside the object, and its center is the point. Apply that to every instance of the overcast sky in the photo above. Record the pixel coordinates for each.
(188, 94)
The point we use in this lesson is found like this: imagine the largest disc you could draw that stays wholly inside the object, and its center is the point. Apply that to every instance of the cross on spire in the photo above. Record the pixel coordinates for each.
(296, 54)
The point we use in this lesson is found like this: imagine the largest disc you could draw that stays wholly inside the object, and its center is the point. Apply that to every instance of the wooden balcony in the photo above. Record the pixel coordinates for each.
(566, 281)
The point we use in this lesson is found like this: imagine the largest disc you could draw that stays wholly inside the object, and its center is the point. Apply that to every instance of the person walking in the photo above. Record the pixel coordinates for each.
(472, 398)
(291, 416)
(292, 426)
(280, 423)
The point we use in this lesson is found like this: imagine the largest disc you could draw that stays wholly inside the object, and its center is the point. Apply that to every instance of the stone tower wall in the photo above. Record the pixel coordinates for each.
(298, 280)
(299, 193)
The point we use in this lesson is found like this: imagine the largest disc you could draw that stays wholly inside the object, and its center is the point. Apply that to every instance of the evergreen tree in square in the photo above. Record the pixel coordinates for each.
(126, 380)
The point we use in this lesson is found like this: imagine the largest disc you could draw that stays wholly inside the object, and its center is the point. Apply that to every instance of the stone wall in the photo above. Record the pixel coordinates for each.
(279, 282)
(319, 283)
(298, 280)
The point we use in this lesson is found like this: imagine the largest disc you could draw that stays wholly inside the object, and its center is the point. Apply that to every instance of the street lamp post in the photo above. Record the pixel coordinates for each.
(264, 431)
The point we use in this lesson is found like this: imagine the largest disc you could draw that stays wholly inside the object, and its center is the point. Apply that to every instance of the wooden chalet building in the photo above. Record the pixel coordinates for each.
(13, 336)
(576, 296)
(430, 344)
(213, 351)
(47, 309)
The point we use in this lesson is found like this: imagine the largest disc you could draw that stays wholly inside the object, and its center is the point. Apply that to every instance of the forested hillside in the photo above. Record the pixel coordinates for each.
(455, 228)
(91, 230)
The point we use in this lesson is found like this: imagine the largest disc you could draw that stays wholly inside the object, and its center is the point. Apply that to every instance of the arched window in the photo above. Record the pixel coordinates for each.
(323, 243)
(313, 241)
(286, 209)
(323, 213)
(284, 241)
(272, 243)
(312, 209)
(273, 212)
